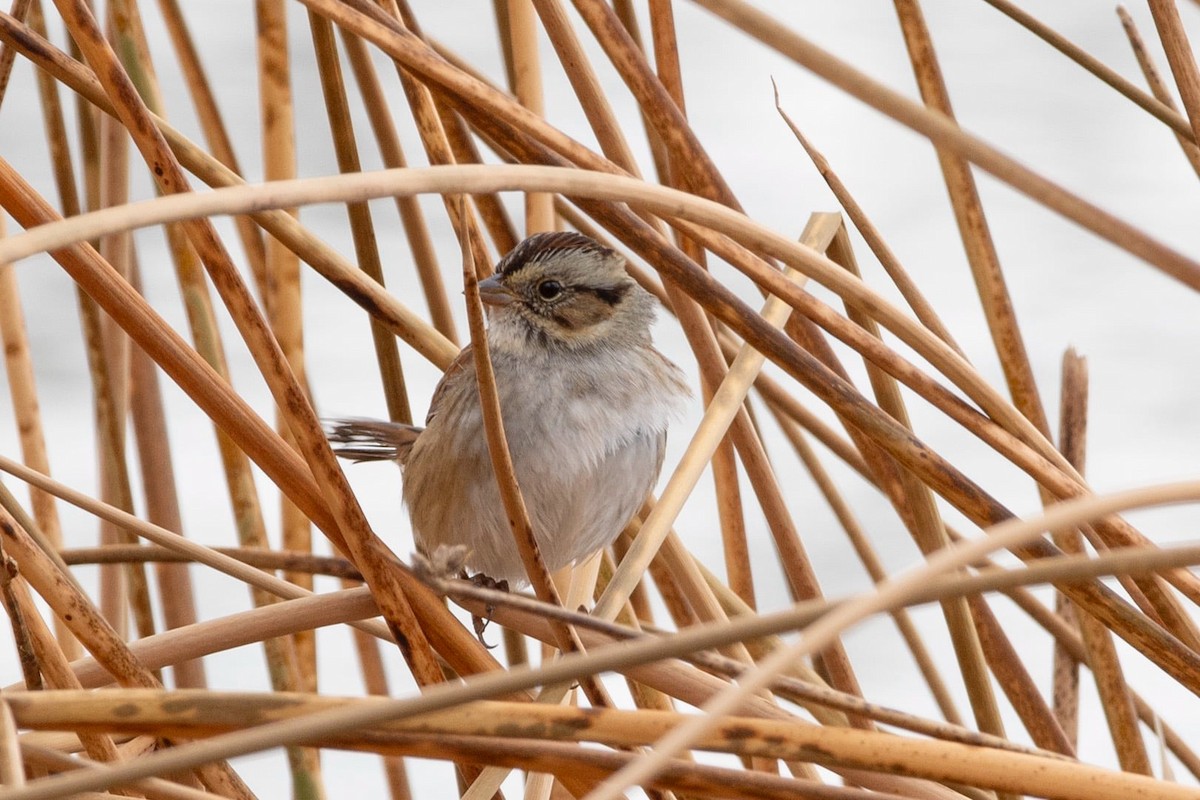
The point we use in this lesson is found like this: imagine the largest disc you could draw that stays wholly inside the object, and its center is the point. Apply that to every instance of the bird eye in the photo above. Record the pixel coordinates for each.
(548, 290)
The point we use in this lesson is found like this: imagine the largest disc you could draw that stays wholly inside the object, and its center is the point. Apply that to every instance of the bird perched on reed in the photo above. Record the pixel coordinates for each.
(585, 400)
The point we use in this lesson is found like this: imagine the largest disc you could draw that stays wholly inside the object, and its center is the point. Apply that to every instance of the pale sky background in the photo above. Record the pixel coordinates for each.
(1136, 327)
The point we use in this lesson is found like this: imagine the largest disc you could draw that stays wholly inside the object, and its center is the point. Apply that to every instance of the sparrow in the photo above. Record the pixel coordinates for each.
(585, 400)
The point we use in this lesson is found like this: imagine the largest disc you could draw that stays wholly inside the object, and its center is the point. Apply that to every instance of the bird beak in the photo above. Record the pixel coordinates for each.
(494, 293)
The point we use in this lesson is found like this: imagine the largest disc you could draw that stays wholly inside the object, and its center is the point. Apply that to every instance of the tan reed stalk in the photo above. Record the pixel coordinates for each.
(958, 491)
(144, 398)
(277, 114)
(376, 683)
(1181, 57)
(19, 10)
(364, 547)
(263, 559)
(492, 213)
(12, 770)
(429, 124)
(22, 388)
(52, 666)
(946, 134)
(669, 589)
(64, 178)
(216, 132)
(117, 586)
(527, 86)
(723, 462)
(1156, 106)
(1006, 534)
(660, 110)
(627, 14)
(870, 561)
(636, 612)
(281, 300)
(973, 227)
(352, 607)
(284, 666)
(1016, 681)
(592, 100)
(1102, 655)
(210, 713)
(22, 641)
(162, 501)
(1158, 87)
(1072, 438)
(456, 644)
(964, 622)
(93, 632)
(366, 246)
(412, 218)
(887, 259)
(49, 758)
(108, 357)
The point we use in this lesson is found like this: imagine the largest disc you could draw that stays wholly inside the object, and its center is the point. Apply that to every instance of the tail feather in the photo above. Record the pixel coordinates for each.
(360, 439)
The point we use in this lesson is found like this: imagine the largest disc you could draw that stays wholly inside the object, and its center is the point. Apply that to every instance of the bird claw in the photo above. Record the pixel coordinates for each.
(481, 623)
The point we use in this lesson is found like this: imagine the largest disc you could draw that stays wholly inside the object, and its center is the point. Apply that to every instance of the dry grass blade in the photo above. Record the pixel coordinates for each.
(827, 385)
(822, 632)
(1190, 150)
(948, 135)
(1157, 106)
(8, 56)
(1181, 57)
(736, 649)
(211, 714)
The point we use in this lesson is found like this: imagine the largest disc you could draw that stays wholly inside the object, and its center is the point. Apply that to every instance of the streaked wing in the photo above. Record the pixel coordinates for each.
(462, 361)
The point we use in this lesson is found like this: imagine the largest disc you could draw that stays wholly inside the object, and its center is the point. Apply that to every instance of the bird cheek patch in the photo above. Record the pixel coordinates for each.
(583, 312)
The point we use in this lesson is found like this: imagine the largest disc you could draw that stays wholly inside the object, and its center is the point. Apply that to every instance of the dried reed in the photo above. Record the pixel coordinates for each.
(769, 673)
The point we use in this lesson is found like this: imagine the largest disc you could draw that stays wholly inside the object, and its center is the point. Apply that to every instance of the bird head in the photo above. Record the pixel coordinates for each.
(564, 290)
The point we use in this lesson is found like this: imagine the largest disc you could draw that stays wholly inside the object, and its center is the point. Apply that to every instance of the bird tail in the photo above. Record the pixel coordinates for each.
(361, 439)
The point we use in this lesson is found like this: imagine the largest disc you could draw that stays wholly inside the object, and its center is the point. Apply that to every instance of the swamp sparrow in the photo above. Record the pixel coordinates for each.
(585, 400)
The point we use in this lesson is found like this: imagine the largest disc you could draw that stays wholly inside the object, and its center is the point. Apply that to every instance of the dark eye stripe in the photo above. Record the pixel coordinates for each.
(609, 294)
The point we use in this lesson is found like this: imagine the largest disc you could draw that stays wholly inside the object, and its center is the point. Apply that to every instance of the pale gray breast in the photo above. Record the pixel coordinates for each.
(586, 442)
(588, 449)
